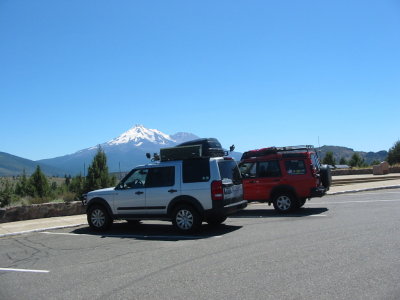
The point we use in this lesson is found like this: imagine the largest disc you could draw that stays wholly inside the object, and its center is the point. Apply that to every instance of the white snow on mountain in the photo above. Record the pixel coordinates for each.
(138, 134)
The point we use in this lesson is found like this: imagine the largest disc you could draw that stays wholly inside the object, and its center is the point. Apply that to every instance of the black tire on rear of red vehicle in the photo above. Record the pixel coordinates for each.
(326, 177)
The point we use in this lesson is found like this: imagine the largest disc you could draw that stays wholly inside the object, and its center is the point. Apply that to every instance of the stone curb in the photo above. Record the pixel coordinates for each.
(40, 229)
(365, 190)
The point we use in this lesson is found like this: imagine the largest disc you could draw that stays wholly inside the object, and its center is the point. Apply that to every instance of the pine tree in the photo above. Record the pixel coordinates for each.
(329, 159)
(22, 187)
(356, 161)
(39, 183)
(394, 154)
(6, 193)
(98, 176)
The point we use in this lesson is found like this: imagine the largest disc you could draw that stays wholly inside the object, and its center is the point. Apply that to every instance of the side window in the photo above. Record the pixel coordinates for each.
(269, 169)
(159, 177)
(248, 170)
(196, 170)
(135, 179)
(295, 167)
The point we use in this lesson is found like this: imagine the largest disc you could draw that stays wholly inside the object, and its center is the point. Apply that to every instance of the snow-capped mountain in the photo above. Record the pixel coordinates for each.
(139, 134)
(123, 152)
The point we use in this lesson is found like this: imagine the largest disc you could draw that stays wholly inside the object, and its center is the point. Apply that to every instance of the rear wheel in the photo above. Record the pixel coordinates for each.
(186, 219)
(285, 202)
(98, 218)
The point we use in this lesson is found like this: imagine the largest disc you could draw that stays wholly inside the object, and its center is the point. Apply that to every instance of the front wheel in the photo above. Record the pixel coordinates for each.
(98, 218)
(284, 202)
(186, 219)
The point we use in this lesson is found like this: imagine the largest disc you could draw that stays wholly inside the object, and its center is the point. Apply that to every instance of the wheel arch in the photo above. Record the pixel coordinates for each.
(188, 200)
(280, 189)
(102, 202)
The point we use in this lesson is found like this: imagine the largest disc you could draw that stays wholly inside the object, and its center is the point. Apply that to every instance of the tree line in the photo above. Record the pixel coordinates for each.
(357, 161)
(37, 188)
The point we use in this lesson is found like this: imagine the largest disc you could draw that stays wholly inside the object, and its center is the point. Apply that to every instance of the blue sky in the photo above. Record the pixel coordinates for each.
(74, 74)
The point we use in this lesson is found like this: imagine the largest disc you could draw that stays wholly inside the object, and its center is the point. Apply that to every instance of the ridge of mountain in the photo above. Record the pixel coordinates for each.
(12, 165)
(346, 153)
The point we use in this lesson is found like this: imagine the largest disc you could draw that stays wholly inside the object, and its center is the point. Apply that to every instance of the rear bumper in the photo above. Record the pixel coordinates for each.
(318, 191)
(225, 210)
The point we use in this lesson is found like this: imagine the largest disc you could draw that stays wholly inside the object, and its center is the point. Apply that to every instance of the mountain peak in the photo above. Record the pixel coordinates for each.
(139, 134)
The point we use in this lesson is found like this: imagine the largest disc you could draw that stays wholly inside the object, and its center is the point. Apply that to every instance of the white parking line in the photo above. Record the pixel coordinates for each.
(23, 270)
(181, 237)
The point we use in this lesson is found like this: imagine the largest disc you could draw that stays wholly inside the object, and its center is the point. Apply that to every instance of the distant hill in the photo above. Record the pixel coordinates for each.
(11, 165)
(347, 153)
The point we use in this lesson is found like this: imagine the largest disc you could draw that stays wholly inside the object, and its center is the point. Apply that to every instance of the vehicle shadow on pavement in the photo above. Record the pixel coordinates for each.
(158, 232)
(271, 213)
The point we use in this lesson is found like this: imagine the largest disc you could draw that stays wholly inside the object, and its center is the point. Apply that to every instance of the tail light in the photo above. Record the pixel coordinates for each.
(217, 190)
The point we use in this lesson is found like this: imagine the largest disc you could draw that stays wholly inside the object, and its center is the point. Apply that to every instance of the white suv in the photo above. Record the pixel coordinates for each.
(187, 192)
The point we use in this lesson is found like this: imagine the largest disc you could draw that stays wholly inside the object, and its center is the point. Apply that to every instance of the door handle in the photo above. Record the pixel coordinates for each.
(139, 193)
(172, 191)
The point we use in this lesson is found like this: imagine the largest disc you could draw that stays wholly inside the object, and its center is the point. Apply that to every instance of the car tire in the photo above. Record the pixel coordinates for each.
(99, 218)
(186, 219)
(285, 202)
(216, 221)
(326, 177)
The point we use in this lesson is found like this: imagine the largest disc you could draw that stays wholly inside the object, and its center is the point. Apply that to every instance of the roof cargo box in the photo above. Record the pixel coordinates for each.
(210, 147)
(180, 153)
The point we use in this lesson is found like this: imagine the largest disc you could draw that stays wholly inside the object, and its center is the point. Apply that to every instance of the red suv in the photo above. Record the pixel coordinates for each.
(284, 176)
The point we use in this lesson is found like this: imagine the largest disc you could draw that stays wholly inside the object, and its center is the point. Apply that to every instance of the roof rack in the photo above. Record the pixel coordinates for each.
(274, 150)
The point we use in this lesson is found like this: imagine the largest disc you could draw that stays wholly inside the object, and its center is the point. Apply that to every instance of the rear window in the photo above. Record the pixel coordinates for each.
(196, 170)
(295, 167)
(315, 161)
(228, 169)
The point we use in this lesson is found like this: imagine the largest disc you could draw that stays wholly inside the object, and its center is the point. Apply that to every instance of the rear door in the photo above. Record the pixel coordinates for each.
(260, 179)
(162, 185)
(299, 176)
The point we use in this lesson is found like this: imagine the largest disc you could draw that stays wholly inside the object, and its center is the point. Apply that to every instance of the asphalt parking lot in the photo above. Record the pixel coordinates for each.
(337, 247)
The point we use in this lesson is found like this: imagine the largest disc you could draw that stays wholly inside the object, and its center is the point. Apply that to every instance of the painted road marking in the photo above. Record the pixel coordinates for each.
(172, 237)
(23, 270)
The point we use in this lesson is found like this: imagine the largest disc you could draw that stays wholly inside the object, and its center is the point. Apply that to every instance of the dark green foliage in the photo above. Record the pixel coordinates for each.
(6, 193)
(343, 161)
(98, 176)
(77, 185)
(375, 162)
(329, 159)
(357, 161)
(22, 187)
(394, 154)
(39, 186)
